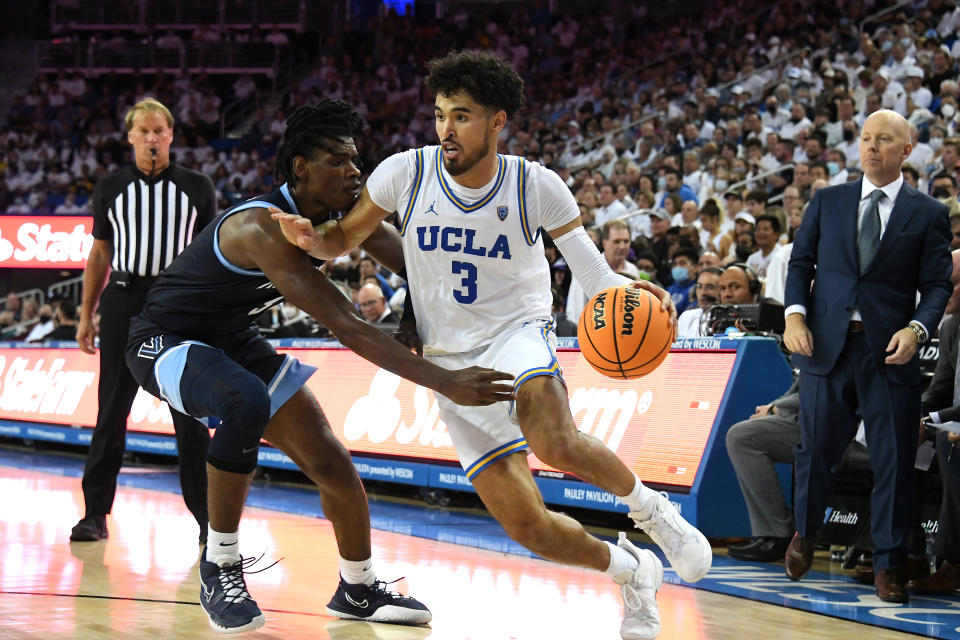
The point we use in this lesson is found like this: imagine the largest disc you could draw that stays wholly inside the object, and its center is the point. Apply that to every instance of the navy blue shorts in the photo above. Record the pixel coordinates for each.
(183, 371)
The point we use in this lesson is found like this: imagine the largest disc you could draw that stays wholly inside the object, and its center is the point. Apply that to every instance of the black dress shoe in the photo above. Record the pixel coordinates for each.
(89, 529)
(762, 550)
(749, 544)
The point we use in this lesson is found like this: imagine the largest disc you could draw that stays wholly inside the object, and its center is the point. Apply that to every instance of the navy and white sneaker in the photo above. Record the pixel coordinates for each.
(375, 603)
(224, 596)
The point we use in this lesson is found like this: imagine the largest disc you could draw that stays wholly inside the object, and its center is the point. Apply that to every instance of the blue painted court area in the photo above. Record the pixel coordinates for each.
(835, 596)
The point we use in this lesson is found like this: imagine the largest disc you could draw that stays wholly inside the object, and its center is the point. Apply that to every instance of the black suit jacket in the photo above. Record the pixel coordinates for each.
(939, 395)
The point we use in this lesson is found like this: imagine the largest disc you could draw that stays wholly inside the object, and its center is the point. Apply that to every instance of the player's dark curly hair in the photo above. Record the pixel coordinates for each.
(488, 79)
(311, 127)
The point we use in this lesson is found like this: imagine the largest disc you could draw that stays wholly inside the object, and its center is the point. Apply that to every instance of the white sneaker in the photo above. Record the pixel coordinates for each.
(685, 547)
(641, 618)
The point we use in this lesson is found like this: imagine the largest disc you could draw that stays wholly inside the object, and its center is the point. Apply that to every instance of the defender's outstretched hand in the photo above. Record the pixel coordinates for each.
(477, 386)
(297, 230)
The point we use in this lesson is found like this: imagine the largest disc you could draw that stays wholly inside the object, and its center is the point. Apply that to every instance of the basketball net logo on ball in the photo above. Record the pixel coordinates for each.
(624, 332)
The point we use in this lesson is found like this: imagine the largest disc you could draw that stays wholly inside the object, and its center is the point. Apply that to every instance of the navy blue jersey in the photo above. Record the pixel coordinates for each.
(203, 294)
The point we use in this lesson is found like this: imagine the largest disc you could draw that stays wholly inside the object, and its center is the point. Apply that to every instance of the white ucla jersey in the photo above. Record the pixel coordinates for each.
(474, 257)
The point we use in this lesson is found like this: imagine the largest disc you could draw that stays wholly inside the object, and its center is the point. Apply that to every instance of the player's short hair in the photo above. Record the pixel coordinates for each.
(488, 79)
(311, 127)
(144, 106)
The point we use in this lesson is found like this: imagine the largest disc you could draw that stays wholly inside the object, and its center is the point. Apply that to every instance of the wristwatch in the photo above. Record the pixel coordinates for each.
(917, 328)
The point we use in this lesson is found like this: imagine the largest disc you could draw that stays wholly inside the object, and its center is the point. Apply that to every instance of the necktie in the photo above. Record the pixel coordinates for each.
(869, 240)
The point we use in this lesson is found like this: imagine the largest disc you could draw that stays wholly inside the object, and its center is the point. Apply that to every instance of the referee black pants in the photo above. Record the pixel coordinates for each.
(116, 393)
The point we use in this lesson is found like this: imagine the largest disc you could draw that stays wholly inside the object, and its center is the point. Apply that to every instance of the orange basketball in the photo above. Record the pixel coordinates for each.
(624, 332)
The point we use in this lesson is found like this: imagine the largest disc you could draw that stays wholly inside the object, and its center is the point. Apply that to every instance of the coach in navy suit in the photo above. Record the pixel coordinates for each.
(867, 248)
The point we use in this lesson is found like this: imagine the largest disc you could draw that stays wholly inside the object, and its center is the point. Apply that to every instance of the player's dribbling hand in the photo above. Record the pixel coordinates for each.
(477, 386)
(666, 302)
(86, 333)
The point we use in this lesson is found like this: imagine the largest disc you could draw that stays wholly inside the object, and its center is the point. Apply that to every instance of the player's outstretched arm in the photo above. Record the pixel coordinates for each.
(261, 242)
(593, 272)
(336, 237)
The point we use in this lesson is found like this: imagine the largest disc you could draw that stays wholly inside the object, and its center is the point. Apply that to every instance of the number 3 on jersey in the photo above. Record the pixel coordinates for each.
(468, 293)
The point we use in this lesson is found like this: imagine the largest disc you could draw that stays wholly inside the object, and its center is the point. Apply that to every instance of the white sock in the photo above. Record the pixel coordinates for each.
(622, 564)
(222, 548)
(639, 498)
(357, 571)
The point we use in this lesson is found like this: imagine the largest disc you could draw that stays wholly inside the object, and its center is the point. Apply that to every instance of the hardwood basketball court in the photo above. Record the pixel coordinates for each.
(142, 582)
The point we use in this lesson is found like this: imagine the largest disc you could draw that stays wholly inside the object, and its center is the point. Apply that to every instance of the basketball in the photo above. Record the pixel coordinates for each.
(624, 332)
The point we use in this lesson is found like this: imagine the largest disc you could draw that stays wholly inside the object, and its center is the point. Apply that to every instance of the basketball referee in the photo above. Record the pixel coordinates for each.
(143, 216)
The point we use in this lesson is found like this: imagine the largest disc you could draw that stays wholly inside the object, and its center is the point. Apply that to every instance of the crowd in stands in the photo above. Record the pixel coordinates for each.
(679, 126)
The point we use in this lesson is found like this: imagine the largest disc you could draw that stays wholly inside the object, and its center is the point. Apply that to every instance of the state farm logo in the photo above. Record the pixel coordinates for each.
(607, 413)
(42, 388)
(376, 416)
(41, 244)
(148, 410)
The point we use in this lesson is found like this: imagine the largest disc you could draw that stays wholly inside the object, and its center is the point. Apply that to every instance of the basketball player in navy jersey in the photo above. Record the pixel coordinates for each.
(470, 222)
(195, 346)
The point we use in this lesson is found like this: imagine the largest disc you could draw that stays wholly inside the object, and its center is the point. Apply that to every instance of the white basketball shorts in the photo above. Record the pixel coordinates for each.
(483, 434)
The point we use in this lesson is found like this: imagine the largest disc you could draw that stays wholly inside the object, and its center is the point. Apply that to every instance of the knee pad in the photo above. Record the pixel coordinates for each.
(244, 408)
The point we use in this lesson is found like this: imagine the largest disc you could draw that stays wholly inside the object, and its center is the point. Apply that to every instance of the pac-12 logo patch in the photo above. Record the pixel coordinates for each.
(502, 212)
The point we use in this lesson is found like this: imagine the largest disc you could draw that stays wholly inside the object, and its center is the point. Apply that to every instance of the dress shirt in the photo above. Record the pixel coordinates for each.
(885, 206)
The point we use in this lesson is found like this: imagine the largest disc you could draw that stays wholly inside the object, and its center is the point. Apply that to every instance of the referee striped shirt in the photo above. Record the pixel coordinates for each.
(150, 220)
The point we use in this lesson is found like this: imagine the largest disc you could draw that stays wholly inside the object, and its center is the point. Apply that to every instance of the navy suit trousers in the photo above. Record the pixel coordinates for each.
(830, 409)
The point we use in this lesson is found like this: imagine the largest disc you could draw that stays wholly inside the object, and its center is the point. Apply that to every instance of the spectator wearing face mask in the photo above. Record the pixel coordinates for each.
(684, 274)
(648, 266)
(42, 328)
(851, 143)
(837, 167)
(944, 187)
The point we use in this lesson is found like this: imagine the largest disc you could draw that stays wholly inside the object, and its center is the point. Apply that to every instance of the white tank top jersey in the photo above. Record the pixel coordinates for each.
(474, 257)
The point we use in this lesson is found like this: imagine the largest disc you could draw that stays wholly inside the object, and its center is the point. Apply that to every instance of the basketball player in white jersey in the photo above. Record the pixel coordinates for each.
(470, 222)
